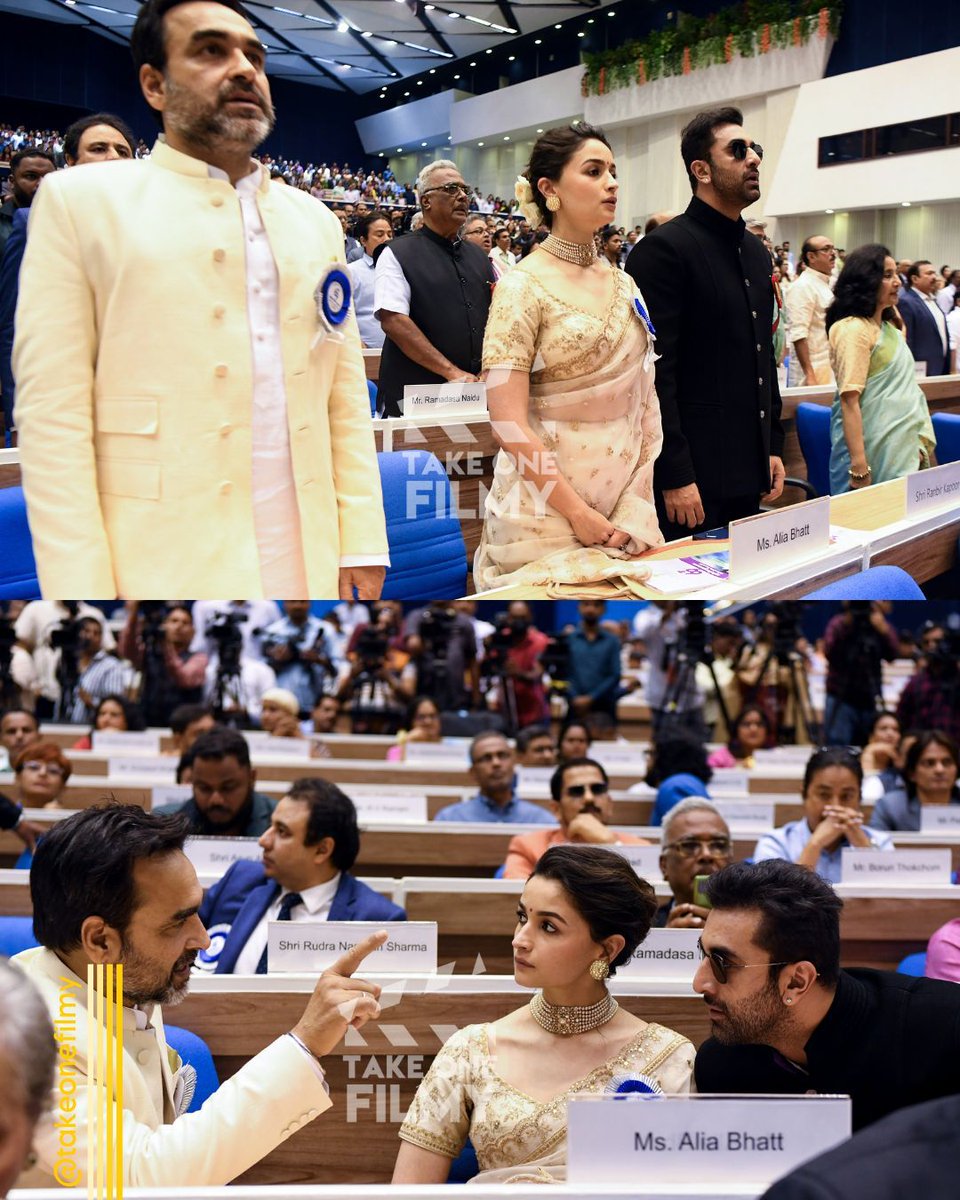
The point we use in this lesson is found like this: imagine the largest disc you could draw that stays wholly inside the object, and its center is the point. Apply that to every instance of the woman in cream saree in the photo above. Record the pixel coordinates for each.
(593, 408)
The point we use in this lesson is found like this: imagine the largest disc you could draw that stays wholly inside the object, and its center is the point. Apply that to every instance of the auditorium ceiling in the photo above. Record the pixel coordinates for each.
(354, 46)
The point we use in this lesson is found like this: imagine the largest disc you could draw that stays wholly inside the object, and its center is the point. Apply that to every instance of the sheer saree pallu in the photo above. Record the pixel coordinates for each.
(593, 406)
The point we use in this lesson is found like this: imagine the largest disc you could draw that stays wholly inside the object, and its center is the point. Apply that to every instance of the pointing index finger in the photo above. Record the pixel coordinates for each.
(347, 963)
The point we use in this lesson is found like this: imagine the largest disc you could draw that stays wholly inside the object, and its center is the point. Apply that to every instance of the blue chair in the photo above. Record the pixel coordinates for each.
(913, 964)
(876, 583)
(372, 390)
(813, 430)
(16, 934)
(195, 1051)
(428, 556)
(465, 1165)
(24, 862)
(18, 572)
(946, 426)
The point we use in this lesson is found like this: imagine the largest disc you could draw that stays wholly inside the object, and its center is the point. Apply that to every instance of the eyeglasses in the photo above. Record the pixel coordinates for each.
(451, 189)
(720, 964)
(823, 250)
(577, 791)
(688, 847)
(739, 147)
(50, 768)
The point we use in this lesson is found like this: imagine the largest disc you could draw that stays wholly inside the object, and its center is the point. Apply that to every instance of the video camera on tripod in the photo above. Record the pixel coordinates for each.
(227, 699)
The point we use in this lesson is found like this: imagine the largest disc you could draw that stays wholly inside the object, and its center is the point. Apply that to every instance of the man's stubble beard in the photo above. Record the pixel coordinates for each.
(754, 1026)
(210, 127)
(141, 986)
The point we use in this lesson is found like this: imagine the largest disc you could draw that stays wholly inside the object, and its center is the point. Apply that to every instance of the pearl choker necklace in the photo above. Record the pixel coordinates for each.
(584, 255)
(568, 1019)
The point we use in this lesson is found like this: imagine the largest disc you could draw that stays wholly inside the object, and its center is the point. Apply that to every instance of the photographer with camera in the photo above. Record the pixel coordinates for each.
(42, 629)
(297, 650)
(378, 686)
(856, 642)
(515, 654)
(672, 690)
(443, 648)
(156, 640)
(931, 699)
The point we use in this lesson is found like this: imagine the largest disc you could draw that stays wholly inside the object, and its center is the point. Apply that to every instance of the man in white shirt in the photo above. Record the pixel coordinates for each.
(312, 843)
(500, 254)
(810, 297)
(203, 365)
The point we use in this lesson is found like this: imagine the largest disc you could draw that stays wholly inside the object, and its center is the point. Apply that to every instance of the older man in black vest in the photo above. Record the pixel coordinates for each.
(432, 294)
(710, 293)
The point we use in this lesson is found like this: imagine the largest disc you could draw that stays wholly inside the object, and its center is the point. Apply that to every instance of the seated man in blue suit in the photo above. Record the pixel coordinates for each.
(312, 843)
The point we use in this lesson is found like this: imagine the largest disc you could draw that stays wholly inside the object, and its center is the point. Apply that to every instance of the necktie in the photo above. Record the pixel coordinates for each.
(290, 901)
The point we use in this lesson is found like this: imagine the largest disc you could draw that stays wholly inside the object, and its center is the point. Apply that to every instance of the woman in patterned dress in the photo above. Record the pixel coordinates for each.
(505, 1084)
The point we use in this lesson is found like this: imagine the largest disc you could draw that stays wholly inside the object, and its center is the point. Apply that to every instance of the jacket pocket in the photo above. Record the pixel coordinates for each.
(120, 477)
(138, 416)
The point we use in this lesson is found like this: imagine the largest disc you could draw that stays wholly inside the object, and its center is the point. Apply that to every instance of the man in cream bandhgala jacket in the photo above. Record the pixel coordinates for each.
(135, 381)
(272, 1096)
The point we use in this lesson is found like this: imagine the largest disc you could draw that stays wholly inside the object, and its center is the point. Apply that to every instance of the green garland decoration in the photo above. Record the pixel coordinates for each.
(747, 29)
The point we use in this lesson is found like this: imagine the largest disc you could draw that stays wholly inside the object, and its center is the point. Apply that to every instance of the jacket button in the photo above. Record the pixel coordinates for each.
(759, 348)
(761, 381)
(754, 315)
(313, 1113)
(220, 370)
(226, 487)
(216, 201)
(219, 255)
(143, 1057)
(747, 282)
(219, 310)
(226, 428)
(762, 414)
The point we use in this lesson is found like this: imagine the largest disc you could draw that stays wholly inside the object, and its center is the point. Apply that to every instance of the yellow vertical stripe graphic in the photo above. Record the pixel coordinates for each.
(105, 1082)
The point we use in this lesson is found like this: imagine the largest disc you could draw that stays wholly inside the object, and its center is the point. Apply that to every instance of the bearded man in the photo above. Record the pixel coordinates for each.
(186, 353)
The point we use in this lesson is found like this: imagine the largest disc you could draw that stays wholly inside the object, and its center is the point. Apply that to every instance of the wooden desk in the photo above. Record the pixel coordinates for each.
(356, 1140)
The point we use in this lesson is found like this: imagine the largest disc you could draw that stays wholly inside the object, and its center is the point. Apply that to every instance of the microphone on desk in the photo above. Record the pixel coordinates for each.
(625, 1084)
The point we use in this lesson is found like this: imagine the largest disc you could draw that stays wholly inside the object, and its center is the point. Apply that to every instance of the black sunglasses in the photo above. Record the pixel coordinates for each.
(739, 147)
(720, 964)
(578, 790)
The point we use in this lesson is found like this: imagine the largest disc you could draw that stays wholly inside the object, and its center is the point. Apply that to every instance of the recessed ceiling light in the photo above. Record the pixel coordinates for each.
(479, 143)
(419, 83)
(456, 76)
(406, 93)
(905, 204)
(506, 137)
(489, 52)
(423, 143)
(473, 64)
(590, 22)
(581, 34)
(433, 70)
(538, 42)
(399, 149)
(539, 131)
(342, 27)
(512, 58)
(556, 26)
(828, 211)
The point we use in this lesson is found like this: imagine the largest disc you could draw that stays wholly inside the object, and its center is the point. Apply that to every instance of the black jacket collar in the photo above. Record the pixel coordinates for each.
(449, 244)
(703, 214)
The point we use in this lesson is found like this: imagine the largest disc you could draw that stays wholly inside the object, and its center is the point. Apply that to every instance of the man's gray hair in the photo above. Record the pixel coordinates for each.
(423, 179)
(472, 220)
(28, 1053)
(416, 221)
(687, 805)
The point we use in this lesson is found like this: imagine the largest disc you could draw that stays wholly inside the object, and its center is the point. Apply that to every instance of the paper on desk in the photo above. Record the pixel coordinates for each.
(691, 573)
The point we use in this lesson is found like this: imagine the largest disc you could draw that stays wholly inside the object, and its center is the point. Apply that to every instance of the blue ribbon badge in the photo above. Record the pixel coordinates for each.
(644, 316)
(333, 295)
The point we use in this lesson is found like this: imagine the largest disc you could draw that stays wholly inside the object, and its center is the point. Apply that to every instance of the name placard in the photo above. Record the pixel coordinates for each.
(390, 806)
(312, 946)
(645, 860)
(444, 399)
(686, 1139)
(163, 766)
(261, 742)
(535, 778)
(746, 814)
(170, 793)
(615, 754)
(123, 741)
(939, 818)
(730, 779)
(664, 954)
(903, 868)
(453, 754)
(777, 539)
(212, 855)
(936, 488)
